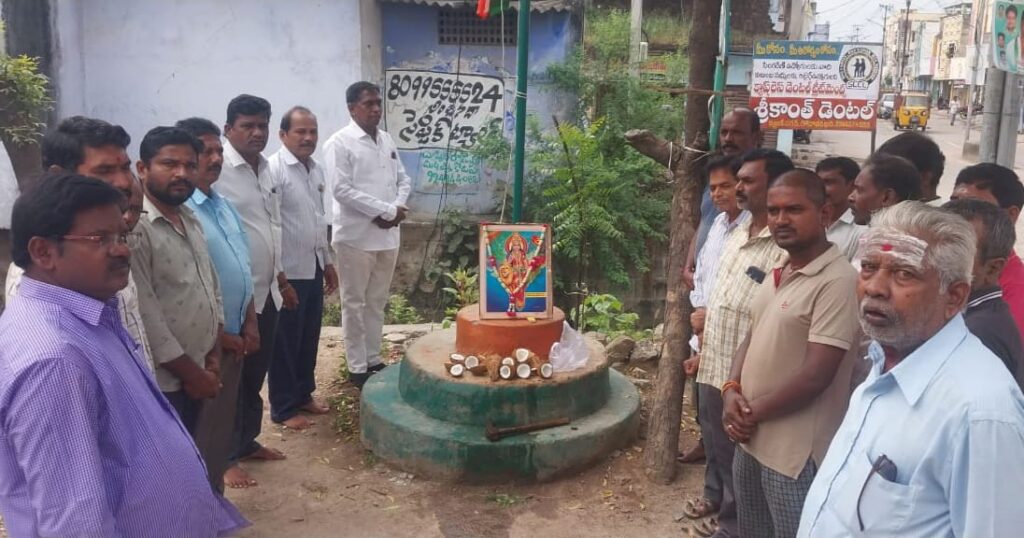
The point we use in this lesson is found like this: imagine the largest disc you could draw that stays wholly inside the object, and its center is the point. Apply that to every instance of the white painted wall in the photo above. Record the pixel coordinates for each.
(143, 63)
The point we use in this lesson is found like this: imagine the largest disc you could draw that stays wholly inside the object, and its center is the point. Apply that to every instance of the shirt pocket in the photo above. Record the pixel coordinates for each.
(883, 506)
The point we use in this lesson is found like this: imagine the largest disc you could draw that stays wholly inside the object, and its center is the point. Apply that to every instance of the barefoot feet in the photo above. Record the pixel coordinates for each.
(298, 423)
(265, 454)
(236, 477)
(315, 408)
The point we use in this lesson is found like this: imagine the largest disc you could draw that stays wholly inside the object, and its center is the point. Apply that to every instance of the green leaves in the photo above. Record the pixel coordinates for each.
(23, 99)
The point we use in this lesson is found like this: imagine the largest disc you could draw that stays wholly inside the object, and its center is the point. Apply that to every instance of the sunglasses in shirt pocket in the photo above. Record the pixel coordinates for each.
(871, 503)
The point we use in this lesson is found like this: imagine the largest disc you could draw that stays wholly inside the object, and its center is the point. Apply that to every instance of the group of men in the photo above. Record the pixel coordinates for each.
(148, 302)
(797, 275)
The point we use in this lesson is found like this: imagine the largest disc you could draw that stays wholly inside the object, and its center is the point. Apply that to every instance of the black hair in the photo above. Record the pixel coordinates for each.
(999, 235)
(48, 209)
(248, 105)
(896, 173)
(1002, 35)
(721, 161)
(158, 137)
(776, 163)
(805, 179)
(920, 150)
(286, 120)
(1012, 8)
(64, 147)
(847, 167)
(198, 127)
(755, 122)
(1002, 182)
(355, 91)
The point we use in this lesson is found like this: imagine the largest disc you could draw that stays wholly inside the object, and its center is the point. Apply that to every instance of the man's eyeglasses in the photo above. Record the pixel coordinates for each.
(131, 239)
(883, 467)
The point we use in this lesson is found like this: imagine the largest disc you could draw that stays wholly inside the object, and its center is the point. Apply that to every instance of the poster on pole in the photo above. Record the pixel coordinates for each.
(1007, 37)
(817, 85)
(438, 110)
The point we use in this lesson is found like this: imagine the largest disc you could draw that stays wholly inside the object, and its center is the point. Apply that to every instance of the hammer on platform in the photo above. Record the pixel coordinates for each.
(495, 433)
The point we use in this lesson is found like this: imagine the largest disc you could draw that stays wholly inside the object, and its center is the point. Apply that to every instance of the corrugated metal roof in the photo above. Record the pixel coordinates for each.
(536, 6)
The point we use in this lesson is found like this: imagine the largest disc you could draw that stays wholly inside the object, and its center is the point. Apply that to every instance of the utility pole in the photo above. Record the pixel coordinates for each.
(977, 16)
(522, 74)
(904, 38)
(636, 21)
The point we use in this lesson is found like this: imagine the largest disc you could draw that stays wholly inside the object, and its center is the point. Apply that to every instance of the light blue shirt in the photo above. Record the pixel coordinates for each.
(951, 418)
(229, 250)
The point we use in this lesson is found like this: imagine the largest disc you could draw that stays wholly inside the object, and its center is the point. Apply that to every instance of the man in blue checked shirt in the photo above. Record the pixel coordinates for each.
(88, 444)
(229, 251)
(932, 440)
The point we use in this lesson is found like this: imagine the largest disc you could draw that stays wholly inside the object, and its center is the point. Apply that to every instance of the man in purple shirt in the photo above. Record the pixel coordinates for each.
(88, 444)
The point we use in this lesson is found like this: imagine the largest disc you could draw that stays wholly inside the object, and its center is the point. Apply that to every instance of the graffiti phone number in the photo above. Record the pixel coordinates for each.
(445, 88)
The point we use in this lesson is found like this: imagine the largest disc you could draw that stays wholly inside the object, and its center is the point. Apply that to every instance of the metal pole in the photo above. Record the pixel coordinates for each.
(974, 72)
(994, 82)
(636, 19)
(522, 72)
(903, 46)
(1006, 149)
(885, 29)
(721, 72)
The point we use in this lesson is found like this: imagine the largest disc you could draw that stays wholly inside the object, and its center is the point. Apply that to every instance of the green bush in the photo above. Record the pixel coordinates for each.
(23, 99)
(331, 316)
(399, 312)
(603, 313)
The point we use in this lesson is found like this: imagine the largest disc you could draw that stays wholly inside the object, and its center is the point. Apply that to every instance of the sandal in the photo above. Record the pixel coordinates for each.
(698, 508)
(705, 527)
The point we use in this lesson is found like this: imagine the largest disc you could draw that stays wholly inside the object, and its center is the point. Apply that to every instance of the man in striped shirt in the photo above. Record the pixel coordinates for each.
(749, 253)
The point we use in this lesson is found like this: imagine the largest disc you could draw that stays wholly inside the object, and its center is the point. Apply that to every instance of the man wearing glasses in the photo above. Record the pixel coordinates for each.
(95, 148)
(88, 446)
(179, 295)
(932, 441)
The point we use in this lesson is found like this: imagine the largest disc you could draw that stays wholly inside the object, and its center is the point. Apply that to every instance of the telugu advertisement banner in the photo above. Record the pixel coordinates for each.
(1007, 37)
(817, 85)
(429, 109)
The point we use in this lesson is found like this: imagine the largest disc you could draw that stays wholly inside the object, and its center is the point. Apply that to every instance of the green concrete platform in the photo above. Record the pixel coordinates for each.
(420, 443)
(425, 385)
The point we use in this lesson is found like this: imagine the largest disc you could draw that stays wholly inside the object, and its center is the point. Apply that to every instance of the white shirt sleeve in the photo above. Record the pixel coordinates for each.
(346, 193)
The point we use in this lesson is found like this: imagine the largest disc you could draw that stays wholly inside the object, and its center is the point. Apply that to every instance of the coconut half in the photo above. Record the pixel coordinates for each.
(457, 370)
(455, 357)
(508, 361)
(522, 355)
(505, 372)
(546, 371)
(472, 361)
(523, 370)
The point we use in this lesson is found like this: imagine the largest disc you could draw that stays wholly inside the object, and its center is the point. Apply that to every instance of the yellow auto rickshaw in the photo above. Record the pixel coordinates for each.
(912, 110)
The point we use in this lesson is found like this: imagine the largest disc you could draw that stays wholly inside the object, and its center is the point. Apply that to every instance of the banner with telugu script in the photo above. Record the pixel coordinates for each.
(817, 85)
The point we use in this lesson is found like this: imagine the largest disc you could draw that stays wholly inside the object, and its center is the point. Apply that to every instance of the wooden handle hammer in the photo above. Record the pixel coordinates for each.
(495, 433)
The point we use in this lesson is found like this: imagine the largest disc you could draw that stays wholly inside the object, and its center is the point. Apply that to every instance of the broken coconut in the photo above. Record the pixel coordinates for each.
(508, 361)
(455, 357)
(472, 361)
(505, 371)
(546, 371)
(523, 370)
(522, 354)
(456, 370)
(479, 370)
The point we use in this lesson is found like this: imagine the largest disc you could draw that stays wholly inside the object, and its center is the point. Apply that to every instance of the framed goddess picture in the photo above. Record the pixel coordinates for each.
(515, 269)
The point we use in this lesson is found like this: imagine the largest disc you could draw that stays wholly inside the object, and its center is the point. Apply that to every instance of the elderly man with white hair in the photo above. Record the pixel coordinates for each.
(933, 440)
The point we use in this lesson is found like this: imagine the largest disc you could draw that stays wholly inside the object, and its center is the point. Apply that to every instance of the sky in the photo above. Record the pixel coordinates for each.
(864, 17)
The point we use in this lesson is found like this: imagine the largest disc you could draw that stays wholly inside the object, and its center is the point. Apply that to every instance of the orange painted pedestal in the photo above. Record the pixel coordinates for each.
(475, 336)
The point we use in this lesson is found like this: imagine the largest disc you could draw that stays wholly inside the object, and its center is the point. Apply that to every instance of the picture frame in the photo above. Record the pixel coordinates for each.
(515, 271)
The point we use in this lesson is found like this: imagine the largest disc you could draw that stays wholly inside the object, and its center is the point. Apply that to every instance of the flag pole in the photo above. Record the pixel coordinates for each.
(522, 70)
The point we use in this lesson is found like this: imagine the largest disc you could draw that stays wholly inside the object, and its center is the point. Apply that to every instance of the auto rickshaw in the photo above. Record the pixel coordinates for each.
(912, 110)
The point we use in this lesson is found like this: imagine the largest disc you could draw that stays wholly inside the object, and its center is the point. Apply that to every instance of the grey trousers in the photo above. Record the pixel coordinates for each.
(769, 503)
(718, 448)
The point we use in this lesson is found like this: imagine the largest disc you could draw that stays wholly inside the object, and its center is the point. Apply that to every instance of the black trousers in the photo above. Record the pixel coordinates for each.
(188, 409)
(290, 378)
(249, 415)
(719, 449)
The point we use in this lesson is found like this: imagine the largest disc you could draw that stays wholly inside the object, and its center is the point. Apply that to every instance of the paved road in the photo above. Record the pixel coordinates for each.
(950, 139)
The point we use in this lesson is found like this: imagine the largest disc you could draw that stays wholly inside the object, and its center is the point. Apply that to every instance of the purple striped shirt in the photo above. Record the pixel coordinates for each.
(88, 444)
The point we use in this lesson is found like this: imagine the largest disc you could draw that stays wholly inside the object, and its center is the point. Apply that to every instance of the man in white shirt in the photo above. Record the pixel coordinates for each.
(370, 189)
(95, 148)
(246, 182)
(838, 174)
(307, 261)
(926, 156)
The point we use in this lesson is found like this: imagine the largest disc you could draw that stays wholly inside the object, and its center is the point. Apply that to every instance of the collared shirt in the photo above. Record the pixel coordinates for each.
(304, 243)
(179, 296)
(989, 319)
(710, 256)
(728, 314)
(845, 234)
(1012, 282)
(253, 195)
(127, 309)
(88, 445)
(951, 419)
(369, 181)
(817, 303)
(229, 252)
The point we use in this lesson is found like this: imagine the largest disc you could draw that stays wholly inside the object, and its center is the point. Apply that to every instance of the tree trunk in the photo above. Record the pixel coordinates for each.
(666, 410)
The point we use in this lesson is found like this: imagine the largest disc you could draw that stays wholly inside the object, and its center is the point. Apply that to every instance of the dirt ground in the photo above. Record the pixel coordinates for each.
(331, 486)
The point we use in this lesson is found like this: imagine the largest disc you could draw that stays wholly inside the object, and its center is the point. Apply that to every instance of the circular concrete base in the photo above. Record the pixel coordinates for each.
(416, 442)
(425, 385)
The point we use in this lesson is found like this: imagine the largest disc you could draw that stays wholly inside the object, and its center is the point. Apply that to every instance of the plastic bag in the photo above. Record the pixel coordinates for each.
(570, 352)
